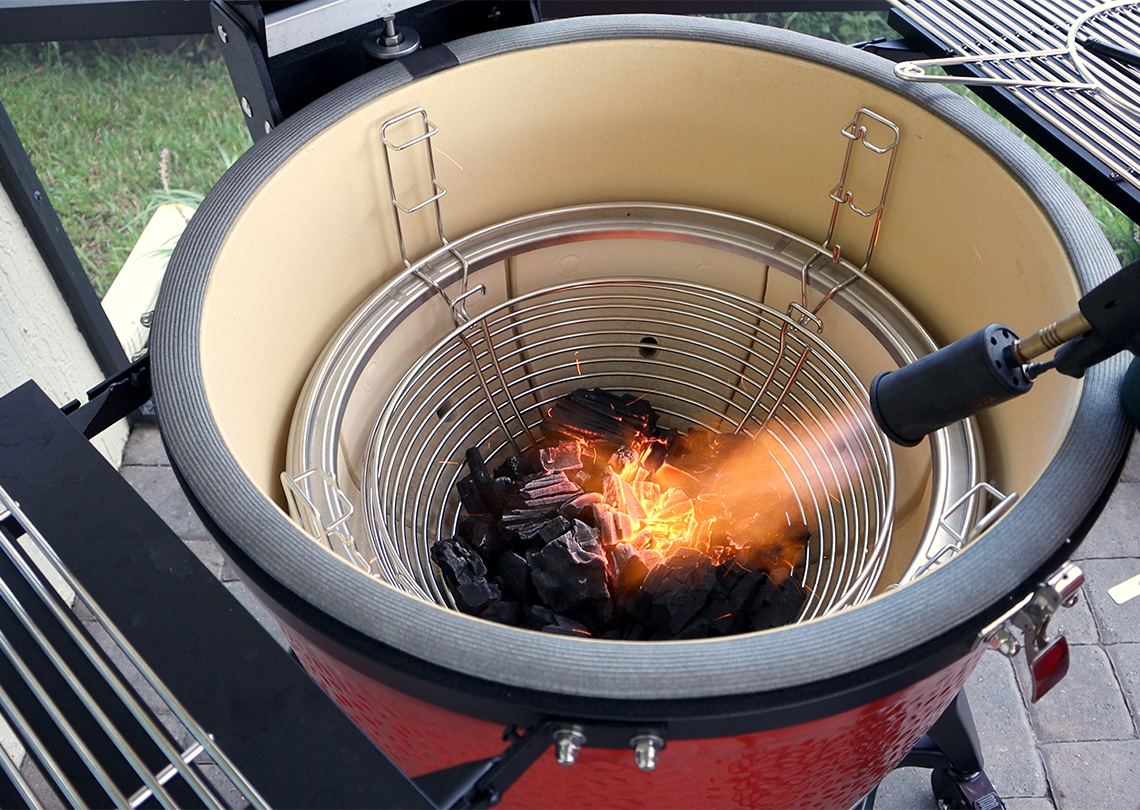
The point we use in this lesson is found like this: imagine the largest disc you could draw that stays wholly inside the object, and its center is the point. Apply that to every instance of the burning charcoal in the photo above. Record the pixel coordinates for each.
(622, 458)
(621, 495)
(654, 457)
(465, 573)
(563, 456)
(674, 591)
(672, 477)
(504, 612)
(568, 575)
(597, 415)
(544, 485)
(485, 537)
(513, 575)
(548, 621)
(576, 507)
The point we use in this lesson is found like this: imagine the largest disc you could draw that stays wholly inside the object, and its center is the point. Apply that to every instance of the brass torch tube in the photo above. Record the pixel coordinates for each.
(1051, 337)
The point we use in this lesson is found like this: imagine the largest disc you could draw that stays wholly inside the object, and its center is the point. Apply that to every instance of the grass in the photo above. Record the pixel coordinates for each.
(96, 120)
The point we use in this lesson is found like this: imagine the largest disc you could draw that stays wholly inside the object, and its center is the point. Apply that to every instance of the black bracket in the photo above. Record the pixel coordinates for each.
(111, 400)
(244, 52)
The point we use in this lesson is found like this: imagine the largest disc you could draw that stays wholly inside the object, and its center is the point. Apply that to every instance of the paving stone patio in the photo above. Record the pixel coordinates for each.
(1077, 749)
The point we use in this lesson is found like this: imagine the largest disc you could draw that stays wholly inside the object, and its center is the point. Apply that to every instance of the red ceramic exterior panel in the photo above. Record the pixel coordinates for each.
(827, 763)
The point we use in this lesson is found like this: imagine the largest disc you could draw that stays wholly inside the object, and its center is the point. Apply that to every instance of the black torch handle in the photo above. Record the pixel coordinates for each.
(953, 383)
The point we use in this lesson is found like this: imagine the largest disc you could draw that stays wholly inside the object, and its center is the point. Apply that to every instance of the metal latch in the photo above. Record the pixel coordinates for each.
(1048, 658)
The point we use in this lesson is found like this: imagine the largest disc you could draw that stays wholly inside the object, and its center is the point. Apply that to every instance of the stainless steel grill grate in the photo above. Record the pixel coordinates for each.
(133, 758)
(1018, 44)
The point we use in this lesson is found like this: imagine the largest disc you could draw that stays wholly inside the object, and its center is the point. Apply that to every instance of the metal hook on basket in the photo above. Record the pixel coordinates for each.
(964, 538)
(804, 315)
(457, 304)
(330, 531)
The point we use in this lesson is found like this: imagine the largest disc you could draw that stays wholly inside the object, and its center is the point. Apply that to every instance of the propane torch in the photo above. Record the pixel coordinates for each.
(994, 365)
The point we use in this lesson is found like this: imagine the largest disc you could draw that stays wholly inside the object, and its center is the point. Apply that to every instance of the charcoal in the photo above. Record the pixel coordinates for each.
(600, 416)
(546, 484)
(561, 457)
(674, 591)
(478, 467)
(577, 506)
(485, 537)
(514, 468)
(627, 584)
(697, 627)
(465, 574)
(548, 621)
(513, 575)
(555, 529)
(776, 605)
(522, 531)
(584, 534)
(719, 617)
(655, 457)
(548, 504)
(504, 612)
(568, 575)
(471, 496)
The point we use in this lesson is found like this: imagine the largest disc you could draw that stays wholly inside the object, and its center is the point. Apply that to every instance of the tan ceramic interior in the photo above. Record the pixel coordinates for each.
(713, 126)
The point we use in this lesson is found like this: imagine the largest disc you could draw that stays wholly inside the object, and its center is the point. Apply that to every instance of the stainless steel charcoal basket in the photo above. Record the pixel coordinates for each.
(586, 297)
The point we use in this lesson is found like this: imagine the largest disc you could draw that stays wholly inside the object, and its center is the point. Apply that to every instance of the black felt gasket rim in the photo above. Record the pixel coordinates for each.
(994, 566)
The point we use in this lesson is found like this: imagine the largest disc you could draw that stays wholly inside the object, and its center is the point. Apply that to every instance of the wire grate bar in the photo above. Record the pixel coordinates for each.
(85, 728)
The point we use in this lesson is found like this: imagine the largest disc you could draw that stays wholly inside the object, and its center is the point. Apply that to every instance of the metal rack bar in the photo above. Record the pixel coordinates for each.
(181, 622)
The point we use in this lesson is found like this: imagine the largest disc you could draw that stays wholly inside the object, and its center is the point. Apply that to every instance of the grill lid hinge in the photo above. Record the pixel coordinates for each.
(1048, 659)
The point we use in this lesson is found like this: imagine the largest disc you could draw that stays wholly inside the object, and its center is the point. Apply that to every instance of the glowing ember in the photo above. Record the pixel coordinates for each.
(618, 528)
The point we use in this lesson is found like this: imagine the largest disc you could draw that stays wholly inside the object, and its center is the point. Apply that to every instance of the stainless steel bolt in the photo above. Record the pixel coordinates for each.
(391, 37)
(645, 750)
(245, 108)
(222, 35)
(567, 743)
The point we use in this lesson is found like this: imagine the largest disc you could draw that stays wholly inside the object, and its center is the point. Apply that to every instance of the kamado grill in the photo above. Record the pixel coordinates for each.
(741, 225)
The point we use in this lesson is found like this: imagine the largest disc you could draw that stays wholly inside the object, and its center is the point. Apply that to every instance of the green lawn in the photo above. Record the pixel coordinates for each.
(95, 121)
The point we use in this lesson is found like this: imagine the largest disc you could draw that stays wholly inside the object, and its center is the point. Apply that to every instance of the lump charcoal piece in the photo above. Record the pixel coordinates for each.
(471, 496)
(485, 537)
(555, 529)
(513, 575)
(596, 415)
(478, 467)
(514, 468)
(548, 621)
(673, 477)
(697, 627)
(654, 457)
(776, 605)
(584, 534)
(545, 485)
(577, 506)
(568, 575)
(628, 583)
(465, 574)
(504, 612)
(674, 591)
(561, 457)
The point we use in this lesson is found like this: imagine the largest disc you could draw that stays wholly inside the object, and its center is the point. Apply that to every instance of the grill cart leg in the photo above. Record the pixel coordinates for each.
(952, 752)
